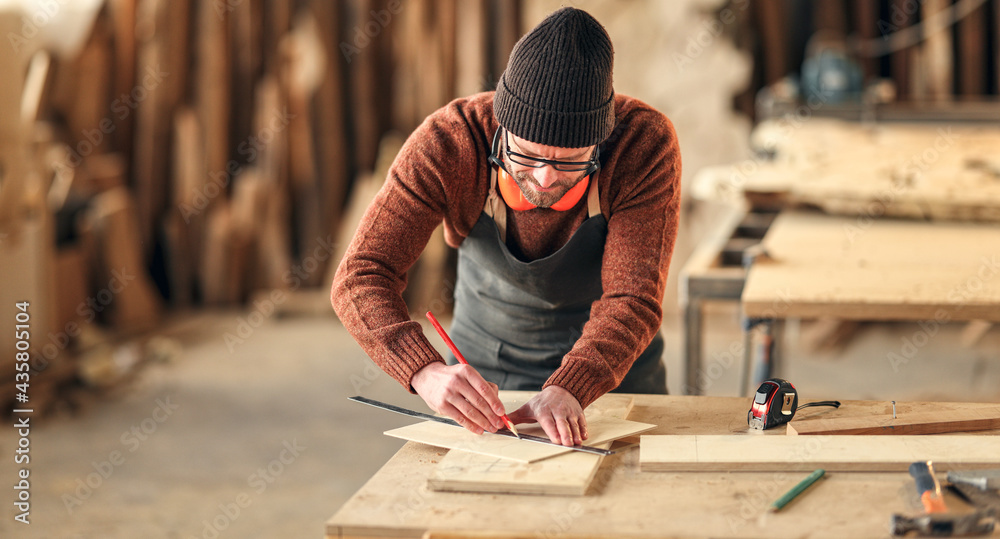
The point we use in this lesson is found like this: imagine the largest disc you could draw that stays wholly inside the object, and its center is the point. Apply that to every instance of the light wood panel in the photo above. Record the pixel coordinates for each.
(919, 423)
(882, 269)
(759, 453)
(601, 429)
(569, 474)
(939, 171)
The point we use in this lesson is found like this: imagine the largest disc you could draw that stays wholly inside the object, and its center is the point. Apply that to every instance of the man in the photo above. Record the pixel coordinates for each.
(562, 199)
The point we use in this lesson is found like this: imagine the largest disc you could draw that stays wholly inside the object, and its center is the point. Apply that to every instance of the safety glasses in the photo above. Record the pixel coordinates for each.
(537, 162)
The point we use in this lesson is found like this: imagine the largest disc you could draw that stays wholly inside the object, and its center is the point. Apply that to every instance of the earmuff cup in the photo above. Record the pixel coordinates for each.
(515, 200)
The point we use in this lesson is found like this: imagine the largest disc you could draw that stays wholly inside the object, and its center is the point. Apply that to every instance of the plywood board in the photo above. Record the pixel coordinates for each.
(918, 423)
(868, 171)
(563, 475)
(875, 269)
(601, 429)
(862, 453)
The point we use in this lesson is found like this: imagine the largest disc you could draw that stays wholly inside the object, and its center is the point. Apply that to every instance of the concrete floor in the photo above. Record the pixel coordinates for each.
(260, 441)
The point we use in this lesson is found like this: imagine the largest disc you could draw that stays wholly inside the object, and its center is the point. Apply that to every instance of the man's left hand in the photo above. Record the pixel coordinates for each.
(559, 414)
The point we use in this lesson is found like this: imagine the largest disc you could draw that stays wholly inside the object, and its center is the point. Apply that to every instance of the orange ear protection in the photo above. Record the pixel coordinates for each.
(512, 194)
(515, 200)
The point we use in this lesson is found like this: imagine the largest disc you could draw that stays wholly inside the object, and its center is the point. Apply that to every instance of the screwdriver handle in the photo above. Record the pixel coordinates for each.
(928, 487)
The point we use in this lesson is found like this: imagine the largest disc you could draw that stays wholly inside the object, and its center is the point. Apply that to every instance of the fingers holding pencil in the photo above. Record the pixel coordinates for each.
(491, 396)
(459, 392)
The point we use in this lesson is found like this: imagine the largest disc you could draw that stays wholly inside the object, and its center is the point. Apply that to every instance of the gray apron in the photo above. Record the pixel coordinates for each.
(514, 321)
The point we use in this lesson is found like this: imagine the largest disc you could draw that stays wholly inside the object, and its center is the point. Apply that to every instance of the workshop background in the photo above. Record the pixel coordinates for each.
(178, 180)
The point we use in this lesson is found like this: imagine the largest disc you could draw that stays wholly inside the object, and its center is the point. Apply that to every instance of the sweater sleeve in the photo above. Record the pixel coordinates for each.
(414, 200)
(644, 203)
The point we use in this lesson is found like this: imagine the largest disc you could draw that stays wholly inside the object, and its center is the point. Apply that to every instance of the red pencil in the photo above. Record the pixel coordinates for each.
(461, 359)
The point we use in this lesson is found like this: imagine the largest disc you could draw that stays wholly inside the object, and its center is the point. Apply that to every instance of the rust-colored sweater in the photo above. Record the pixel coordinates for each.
(442, 175)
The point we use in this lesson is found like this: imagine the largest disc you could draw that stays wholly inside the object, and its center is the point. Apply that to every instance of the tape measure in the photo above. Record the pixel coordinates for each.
(775, 403)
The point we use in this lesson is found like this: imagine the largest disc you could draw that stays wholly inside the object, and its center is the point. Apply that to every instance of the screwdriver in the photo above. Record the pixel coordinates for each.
(928, 487)
(461, 359)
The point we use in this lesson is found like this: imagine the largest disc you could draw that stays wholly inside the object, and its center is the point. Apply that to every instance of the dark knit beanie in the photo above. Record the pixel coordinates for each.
(557, 88)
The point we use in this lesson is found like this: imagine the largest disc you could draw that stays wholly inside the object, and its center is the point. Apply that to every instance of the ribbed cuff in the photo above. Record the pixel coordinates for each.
(583, 381)
(409, 354)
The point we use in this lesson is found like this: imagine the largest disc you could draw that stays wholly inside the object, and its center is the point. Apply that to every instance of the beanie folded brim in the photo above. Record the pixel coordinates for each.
(553, 128)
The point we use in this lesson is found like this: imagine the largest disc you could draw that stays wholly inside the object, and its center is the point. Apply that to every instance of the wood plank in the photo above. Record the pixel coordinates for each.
(601, 429)
(890, 269)
(472, 533)
(866, 14)
(248, 209)
(564, 475)
(471, 54)
(330, 120)
(900, 60)
(763, 453)
(506, 25)
(183, 226)
(303, 75)
(88, 113)
(212, 86)
(937, 50)
(363, 78)
(972, 50)
(912, 170)
(150, 158)
(123, 19)
(135, 304)
(217, 258)
(774, 37)
(908, 423)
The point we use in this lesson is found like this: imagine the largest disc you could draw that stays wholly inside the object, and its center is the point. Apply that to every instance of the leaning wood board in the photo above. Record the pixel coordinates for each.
(601, 429)
(763, 453)
(913, 423)
(563, 475)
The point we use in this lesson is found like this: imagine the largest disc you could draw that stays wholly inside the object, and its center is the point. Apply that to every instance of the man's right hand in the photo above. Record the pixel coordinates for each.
(461, 393)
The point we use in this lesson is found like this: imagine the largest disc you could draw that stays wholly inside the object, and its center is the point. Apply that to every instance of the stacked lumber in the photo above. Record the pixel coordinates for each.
(934, 50)
(187, 154)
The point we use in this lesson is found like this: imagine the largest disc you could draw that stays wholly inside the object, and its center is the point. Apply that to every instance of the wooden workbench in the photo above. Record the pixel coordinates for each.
(624, 502)
(875, 269)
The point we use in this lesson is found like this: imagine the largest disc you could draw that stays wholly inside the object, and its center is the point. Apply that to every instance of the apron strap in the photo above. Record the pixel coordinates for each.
(593, 197)
(497, 210)
(495, 207)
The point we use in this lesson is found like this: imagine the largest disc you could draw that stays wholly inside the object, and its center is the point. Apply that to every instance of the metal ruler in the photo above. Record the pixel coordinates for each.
(501, 432)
